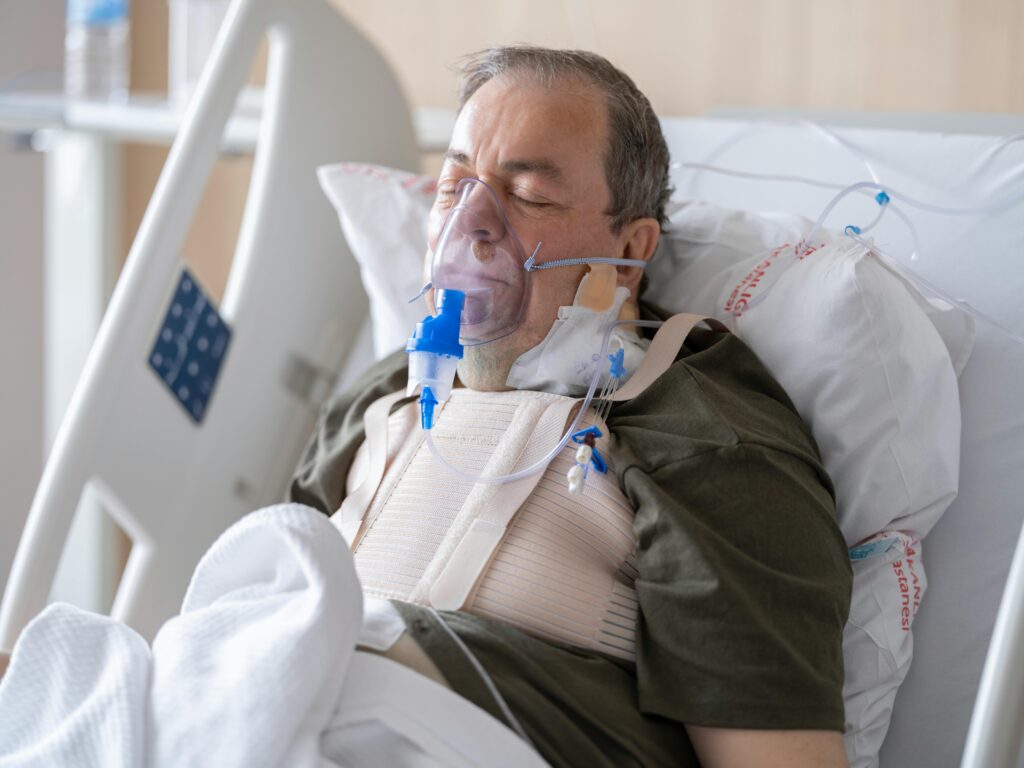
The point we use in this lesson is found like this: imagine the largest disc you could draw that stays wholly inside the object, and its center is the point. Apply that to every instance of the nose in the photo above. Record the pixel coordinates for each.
(480, 217)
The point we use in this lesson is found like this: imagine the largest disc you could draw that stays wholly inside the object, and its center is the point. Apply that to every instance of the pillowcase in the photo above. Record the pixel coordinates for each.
(383, 215)
(870, 365)
(850, 341)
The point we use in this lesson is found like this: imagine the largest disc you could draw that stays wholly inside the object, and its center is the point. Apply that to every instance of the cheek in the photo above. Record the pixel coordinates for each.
(552, 290)
(435, 223)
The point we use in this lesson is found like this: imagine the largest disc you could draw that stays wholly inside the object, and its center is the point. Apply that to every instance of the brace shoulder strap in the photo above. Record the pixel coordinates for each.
(349, 517)
(662, 353)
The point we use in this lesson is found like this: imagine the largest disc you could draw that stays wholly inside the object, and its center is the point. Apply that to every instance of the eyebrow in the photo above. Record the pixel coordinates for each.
(541, 166)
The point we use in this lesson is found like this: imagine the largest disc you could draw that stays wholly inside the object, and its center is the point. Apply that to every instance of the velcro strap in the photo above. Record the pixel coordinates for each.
(349, 517)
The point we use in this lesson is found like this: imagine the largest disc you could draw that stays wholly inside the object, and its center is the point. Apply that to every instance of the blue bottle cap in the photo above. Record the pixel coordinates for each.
(97, 12)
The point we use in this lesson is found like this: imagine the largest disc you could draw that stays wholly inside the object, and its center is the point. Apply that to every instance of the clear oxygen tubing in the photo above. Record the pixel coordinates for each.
(979, 166)
(912, 274)
(866, 187)
(542, 464)
(830, 135)
(986, 158)
(531, 265)
(914, 202)
(900, 266)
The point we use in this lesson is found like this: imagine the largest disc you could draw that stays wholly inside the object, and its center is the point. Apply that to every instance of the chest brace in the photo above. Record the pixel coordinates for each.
(558, 566)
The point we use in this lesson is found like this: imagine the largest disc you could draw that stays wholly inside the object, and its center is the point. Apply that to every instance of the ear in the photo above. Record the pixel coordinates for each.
(637, 240)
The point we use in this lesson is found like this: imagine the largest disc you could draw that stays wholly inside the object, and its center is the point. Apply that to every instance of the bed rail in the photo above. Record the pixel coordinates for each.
(293, 305)
(997, 723)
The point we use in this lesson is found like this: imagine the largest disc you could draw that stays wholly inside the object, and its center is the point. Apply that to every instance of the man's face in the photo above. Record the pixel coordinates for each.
(542, 151)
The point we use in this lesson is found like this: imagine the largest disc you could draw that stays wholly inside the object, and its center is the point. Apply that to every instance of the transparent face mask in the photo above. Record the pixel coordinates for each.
(479, 254)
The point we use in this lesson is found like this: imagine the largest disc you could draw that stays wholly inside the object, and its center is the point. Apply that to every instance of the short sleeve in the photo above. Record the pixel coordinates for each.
(743, 585)
(743, 578)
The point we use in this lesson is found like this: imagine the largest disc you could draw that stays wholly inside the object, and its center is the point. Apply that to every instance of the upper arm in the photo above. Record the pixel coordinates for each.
(736, 748)
(743, 583)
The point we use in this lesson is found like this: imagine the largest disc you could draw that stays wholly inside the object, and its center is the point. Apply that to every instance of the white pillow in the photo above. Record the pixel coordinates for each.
(854, 346)
(383, 215)
(850, 341)
(878, 645)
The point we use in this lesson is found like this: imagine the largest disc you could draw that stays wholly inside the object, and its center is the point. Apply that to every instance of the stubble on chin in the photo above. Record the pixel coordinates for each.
(485, 367)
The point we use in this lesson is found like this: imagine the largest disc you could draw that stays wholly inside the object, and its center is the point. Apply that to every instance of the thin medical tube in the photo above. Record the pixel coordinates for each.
(828, 133)
(863, 187)
(758, 176)
(989, 155)
(540, 465)
(895, 195)
(531, 266)
(915, 277)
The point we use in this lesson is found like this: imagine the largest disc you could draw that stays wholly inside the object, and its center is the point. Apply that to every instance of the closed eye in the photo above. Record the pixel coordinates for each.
(528, 201)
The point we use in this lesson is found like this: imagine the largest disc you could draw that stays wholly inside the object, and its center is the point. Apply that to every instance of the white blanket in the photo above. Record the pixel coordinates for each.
(248, 674)
(259, 669)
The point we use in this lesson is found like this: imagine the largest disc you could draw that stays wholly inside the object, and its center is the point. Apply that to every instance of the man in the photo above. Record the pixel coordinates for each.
(741, 576)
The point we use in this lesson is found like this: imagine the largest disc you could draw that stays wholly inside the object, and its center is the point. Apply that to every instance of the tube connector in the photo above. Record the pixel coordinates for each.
(427, 403)
(434, 354)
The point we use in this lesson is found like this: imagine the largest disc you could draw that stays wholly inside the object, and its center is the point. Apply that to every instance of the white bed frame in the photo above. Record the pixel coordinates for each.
(296, 307)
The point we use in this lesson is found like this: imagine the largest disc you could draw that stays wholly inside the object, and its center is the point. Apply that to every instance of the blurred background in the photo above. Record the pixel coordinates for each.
(943, 56)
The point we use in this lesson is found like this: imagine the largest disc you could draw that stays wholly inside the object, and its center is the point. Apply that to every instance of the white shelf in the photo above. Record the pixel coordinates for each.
(148, 118)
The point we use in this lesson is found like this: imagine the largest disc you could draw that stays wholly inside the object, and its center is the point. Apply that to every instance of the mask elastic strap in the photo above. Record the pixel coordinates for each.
(531, 265)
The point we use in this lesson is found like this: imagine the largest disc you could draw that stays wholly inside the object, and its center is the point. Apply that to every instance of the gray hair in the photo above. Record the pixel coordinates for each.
(636, 164)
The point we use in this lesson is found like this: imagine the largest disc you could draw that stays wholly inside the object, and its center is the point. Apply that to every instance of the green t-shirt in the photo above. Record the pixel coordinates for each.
(743, 576)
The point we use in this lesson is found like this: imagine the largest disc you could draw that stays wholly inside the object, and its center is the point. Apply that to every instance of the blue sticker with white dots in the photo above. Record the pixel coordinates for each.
(190, 347)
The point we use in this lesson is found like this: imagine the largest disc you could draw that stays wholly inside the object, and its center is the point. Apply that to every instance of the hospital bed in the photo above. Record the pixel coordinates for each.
(176, 468)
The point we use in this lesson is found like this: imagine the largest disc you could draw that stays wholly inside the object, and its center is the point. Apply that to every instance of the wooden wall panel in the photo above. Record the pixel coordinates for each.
(692, 55)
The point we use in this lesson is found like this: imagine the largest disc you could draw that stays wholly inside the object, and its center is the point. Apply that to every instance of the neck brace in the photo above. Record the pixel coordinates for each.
(563, 363)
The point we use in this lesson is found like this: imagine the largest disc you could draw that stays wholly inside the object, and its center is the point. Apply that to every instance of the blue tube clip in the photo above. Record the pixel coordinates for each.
(618, 369)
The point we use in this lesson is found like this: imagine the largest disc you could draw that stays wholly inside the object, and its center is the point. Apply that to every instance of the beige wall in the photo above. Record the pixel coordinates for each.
(691, 55)
(211, 241)
(688, 55)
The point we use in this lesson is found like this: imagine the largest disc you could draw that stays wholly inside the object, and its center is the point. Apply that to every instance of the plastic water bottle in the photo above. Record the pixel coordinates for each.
(96, 50)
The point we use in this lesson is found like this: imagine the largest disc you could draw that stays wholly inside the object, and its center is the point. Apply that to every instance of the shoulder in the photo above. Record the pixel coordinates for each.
(717, 395)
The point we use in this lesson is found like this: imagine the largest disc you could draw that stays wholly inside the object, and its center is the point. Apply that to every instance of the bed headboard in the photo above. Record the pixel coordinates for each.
(979, 259)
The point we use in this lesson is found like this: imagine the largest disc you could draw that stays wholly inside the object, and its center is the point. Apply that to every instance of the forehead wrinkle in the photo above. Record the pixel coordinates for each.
(541, 167)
